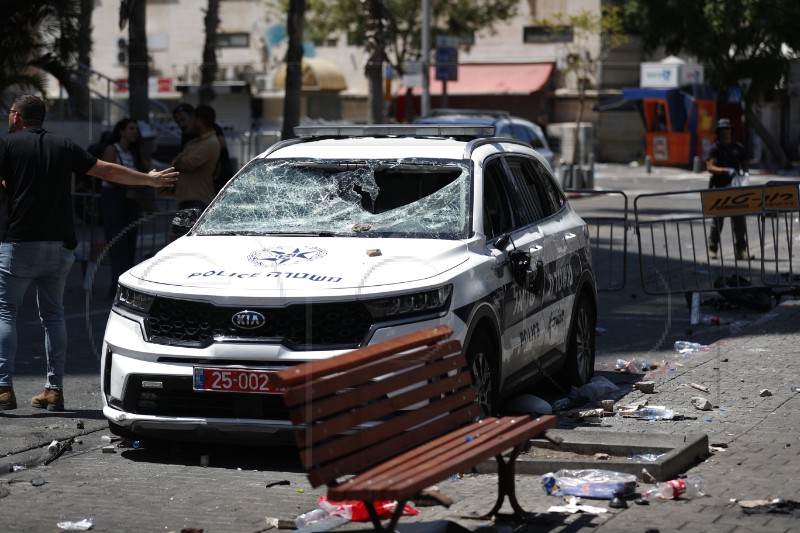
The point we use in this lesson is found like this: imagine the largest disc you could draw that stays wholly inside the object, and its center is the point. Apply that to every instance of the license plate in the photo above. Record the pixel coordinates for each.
(235, 380)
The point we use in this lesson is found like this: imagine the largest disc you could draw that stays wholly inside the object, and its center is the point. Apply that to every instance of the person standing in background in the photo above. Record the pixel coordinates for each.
(119, 204)
(726, 159)
(36, 168)
(198, 162)
(183, 114)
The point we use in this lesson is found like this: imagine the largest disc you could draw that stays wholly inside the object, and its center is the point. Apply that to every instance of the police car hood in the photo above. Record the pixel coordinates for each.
(305, 264)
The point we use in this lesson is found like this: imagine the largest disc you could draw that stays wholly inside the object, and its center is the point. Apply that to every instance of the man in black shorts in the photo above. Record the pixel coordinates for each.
(36, 168)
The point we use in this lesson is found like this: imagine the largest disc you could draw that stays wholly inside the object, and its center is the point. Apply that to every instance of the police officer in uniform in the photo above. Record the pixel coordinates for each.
(726, 159)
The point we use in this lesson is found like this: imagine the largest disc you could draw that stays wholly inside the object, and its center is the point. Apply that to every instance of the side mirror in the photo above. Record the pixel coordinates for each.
(184, 220)
(502, 242)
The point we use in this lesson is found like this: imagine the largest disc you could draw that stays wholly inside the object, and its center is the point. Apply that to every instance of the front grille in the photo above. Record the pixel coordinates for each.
(176, 398)
(299, 327)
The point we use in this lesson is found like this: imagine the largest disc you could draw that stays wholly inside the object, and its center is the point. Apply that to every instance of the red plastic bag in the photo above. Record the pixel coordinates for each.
(356, 510)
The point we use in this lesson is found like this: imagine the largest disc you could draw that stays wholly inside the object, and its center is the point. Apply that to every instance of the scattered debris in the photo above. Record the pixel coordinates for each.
(38, 482)
(430, 497)
(776, 506)
(573, 507)
(653, 412)
(602, 456)
(688, 348)
(764, 393)
(276, 483)
(701, 403)
(109, 449)
(646, 457)
(699, 387)
(647, 387)
(82, 525)
(607, 405)
(603, 484)
(80, 425)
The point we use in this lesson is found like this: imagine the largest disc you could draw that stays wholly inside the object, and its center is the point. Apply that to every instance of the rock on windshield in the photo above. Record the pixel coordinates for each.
(414, 198)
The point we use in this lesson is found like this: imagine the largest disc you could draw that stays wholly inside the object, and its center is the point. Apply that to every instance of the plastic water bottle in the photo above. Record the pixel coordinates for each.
(691, 487)
(306, 519)
(654, 413)
(688, 348)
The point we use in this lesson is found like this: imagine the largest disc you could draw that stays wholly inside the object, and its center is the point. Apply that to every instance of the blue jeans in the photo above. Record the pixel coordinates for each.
(46, 264)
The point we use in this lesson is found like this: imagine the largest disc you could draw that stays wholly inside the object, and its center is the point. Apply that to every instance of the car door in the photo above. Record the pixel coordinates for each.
(506, 213)
(562, 237)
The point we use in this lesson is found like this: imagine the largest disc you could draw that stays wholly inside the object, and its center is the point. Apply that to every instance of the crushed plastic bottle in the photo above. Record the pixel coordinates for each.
(654, 412)
(82, 525)
(710, 319)
(688, 348)
(689, 488)
(311, 517)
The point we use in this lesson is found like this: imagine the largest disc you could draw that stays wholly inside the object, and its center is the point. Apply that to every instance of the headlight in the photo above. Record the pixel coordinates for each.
(421, 302)
(135, 301)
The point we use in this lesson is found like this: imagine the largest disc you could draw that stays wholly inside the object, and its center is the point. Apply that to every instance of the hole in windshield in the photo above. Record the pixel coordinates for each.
(413, 198)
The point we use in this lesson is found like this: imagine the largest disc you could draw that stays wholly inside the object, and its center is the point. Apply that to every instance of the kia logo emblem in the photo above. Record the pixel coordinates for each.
(248, 320)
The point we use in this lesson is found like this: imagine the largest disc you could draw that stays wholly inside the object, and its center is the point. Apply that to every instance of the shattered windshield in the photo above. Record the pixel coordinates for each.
(399, 198)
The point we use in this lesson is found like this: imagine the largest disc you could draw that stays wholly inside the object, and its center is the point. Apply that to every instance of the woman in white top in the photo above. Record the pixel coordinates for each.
(119, 205)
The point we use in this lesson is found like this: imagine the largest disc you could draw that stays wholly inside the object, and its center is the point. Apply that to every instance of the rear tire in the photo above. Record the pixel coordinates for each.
(579, 367)
(482, 361)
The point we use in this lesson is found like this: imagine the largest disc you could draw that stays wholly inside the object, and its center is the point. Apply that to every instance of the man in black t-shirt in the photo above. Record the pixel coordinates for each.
(36, 169)
(725, 160)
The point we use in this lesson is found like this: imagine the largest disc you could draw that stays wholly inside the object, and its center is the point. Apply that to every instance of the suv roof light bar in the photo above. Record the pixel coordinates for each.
(395, 130)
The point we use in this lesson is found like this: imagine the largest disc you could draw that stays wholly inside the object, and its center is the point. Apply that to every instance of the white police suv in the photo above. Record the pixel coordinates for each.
(340, 238)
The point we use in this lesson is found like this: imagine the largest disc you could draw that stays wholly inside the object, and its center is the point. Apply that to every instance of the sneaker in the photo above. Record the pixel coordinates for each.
(50, 399)
(8, 399)
(742, 255)
(712, 252)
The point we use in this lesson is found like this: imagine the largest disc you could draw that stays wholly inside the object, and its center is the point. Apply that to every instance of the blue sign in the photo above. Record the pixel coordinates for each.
(447, 63)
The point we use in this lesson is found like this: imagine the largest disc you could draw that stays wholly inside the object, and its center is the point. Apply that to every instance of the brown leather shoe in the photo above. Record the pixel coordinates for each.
(8, 399)
(50, 399)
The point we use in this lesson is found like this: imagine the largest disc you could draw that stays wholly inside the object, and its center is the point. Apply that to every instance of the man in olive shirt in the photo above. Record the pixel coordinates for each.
(197, 162)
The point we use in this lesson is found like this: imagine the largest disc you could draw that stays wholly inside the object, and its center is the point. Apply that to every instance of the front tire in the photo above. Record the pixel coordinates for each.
(482, 361)
(579, 367)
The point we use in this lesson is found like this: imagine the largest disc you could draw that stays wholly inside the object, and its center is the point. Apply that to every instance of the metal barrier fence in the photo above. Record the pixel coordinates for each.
(153, 228)
(606, 213)
(673, 231)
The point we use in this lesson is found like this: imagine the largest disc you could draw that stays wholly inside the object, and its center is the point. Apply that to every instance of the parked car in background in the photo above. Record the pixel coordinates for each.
(341, 238)
(504, 124)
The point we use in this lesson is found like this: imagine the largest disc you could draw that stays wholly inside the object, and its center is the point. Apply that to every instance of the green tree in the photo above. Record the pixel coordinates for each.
(582, 60)
(390, 30)
(37, 37)
(741, 40)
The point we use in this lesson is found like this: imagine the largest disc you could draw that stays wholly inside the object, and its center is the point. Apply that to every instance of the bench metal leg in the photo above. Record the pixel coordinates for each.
(376, 522)
(506, 485)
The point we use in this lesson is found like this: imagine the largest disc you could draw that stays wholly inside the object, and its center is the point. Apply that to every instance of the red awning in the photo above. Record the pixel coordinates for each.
(503, 78)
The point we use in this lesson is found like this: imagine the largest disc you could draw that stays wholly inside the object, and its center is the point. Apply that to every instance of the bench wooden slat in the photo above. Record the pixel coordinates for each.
(401, 482)
(351, 464)
(348, 444)
(320, 386)
(384, 408)
(298, 374)
(370, 390)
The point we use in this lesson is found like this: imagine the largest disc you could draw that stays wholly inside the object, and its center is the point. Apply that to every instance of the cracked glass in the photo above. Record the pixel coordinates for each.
(399, 198)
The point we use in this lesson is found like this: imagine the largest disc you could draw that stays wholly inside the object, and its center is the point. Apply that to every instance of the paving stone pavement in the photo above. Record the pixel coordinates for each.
(756, 438)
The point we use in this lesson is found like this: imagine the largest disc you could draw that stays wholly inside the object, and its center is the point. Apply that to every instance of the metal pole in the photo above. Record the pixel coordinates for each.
(425, 106)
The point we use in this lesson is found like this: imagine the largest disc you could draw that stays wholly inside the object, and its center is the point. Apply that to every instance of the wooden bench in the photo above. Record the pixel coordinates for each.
(386, 421)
